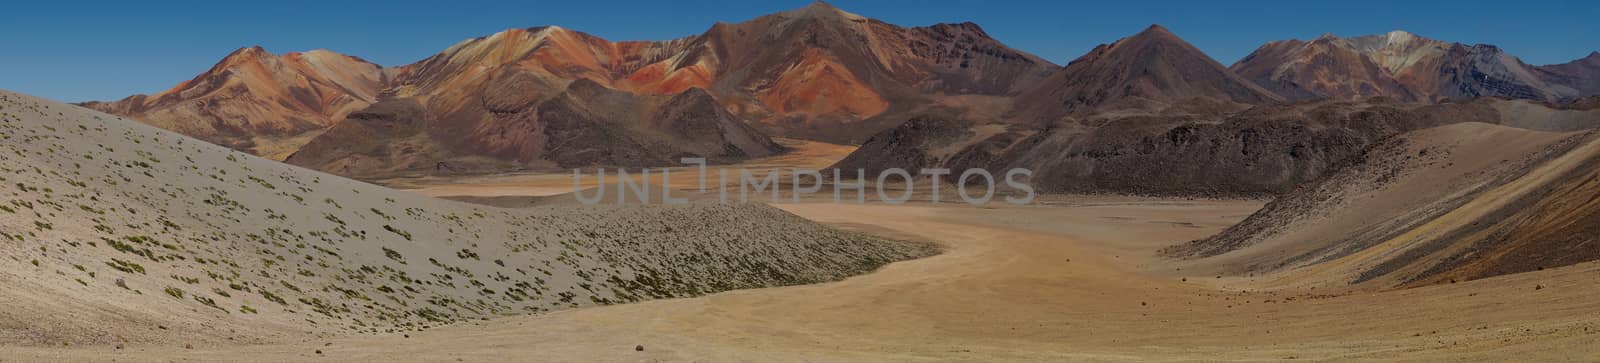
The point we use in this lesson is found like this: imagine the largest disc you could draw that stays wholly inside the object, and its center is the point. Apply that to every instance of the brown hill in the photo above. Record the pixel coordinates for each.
(1262, 151)
(1452, 203)
(1326, 67)
(587, 124)
(259, 102)
(1150, 69)
(1582, 75)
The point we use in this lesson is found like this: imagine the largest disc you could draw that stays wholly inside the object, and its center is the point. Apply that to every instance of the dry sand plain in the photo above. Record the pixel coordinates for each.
(1070, 281)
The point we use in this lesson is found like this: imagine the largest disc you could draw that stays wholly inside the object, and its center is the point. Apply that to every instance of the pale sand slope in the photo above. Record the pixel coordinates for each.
(1053, 290)
(1451, 203)
(118, 232)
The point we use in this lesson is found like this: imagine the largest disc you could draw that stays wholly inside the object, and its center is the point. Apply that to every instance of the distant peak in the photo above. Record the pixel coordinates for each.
(1156, 31)
(820, 9)
(1327, 36)
(250, 52)
(962, 26)
(245, 55)
(542, 29)
(1400, 36)
(254, 49)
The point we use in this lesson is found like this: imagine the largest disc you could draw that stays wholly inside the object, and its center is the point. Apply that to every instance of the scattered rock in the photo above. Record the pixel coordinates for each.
(638, 348)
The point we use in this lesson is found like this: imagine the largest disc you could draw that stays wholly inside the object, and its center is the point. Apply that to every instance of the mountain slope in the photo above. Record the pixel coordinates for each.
(585, 125)
(1452, 203)
(259, 102)
(117, 232)
(1148, 69)
(812, 72)
(1261, 151)
(1326, 67)
(1582, 75)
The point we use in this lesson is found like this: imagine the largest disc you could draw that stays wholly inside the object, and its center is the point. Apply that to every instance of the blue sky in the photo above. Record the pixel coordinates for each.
(78, 51)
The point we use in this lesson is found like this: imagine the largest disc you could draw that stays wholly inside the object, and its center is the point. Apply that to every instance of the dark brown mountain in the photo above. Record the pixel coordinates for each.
(1262, 151)
(1151, 69)
(1582, 75)
(585, 125)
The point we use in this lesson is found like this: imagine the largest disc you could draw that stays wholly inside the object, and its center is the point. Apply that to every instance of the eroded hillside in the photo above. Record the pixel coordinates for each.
(1446, 204)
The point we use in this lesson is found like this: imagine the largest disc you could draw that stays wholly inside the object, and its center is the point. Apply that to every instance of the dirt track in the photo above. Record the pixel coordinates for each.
(1070, 281)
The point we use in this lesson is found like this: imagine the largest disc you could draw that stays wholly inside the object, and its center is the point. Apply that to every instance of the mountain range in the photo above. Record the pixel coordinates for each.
(549, 97)
(1408, 67)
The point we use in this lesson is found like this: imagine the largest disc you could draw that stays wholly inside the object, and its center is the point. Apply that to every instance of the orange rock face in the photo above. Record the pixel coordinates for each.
(819, 85)
(252, 94)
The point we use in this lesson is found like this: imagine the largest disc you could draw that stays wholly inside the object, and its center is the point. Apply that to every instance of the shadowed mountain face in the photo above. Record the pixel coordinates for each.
(1582, 75)
(1404, 66)
(1263, 151)
(1151, 69)
(587, 124)
(259, 102)
(1151, 115)
(814, 72)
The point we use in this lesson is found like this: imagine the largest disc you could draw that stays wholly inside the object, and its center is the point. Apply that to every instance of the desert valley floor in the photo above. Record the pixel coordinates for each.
(1070, 278)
